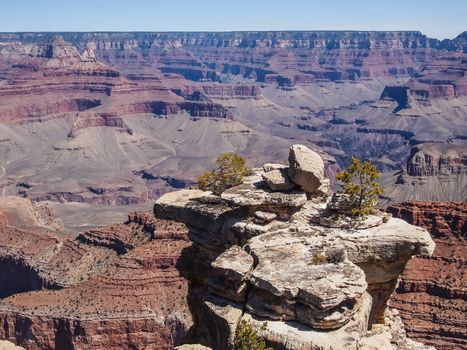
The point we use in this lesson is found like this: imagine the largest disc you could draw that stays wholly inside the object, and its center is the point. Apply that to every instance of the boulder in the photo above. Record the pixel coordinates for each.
(306, 168)
(324, 190)
(263, 216)
(278, 180)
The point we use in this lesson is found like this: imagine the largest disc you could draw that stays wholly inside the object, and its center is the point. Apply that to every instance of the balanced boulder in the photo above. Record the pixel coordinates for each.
(306, 168)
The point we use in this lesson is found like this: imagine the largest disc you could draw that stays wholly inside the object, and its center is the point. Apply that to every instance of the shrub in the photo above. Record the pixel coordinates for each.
(359, 182)
(230, 171)
(246, 338)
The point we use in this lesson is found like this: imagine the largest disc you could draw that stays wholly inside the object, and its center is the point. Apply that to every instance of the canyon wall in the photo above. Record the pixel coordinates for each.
(431, 295)
(126, 117)
(114, 287)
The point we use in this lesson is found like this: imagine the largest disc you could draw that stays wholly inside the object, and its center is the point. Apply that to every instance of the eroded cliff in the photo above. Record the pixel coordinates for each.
(279, 250)
(431, 296)
(116, 287)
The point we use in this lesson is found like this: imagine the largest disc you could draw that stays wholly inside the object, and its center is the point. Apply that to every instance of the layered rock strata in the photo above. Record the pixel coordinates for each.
(434, 171)
(115, 287)
(264, 255)
(431, 296)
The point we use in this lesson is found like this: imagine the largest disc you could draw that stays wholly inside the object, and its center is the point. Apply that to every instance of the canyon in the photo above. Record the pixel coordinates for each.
(94, 126)
(111, 121)
(113, 287)
(154, 283)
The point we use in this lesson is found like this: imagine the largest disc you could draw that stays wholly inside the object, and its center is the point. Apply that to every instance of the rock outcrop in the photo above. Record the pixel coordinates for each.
(306, 168)
(313, 286)
(431, 296)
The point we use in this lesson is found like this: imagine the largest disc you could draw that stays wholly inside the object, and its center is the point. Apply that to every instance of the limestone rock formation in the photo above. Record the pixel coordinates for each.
(314, 286)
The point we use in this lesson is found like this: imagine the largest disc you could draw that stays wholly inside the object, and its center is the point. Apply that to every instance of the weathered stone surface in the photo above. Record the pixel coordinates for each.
(230, 274)
(304, 275)
(220, 318)
(306, 168)
(294, 281)
(256, 196)
(193, 207)
(382, 252)
(324, 190)
(278, 180)
(273, 166)
(353, 336)
(292, 335)
(234, 264)
(264, 217)
(192, 347)
(204, 215)
(6, 345)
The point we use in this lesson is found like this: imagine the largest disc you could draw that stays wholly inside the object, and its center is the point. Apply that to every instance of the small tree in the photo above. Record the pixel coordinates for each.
(359, 182)
(230, 171)
(246, 338)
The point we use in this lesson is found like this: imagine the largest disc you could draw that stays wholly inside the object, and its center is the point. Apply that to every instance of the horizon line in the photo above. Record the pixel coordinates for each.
(229, 31)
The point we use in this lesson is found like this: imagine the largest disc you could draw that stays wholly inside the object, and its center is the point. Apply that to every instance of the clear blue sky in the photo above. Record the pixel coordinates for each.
(436, 18)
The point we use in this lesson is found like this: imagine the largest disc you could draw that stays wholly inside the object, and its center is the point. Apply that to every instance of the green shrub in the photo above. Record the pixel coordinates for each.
(246, 338)
(230, 171)
(359, 182)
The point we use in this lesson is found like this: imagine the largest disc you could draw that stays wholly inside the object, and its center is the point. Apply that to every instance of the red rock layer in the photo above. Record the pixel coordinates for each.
(432, 294)
(137, 300)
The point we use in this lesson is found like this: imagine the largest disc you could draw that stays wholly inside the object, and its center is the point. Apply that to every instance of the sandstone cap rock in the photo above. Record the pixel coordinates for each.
(306, 168)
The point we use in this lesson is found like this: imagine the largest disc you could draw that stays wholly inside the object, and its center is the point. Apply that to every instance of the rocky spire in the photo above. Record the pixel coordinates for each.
(264, 251)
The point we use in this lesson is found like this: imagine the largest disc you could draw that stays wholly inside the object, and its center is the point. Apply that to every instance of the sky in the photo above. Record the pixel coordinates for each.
(436, 18)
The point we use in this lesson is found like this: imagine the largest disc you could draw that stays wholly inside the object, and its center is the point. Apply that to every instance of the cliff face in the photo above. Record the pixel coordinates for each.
(114, 287)
(310, 55)
(431, 296)
(434, 171)
(277, 249)
(433, 160)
